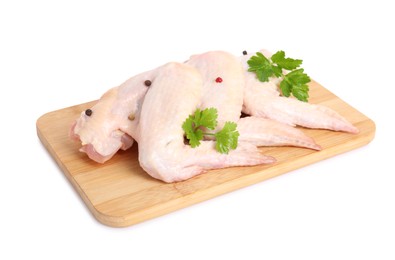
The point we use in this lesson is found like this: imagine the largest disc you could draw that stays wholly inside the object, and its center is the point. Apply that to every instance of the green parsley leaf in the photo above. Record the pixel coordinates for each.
(301, 92)
(286, 88)
(285, 63)
(261, 66)
(193, 135)
(258, 62)
(298, 80)
(294, 83)
(277, 70)
(197, 116)
(208, 118)
(227, 138)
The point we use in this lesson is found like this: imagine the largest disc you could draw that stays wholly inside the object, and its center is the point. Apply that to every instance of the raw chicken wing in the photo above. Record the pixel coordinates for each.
(262, 99)
(173, 96)
(227, 97)
(112, 122)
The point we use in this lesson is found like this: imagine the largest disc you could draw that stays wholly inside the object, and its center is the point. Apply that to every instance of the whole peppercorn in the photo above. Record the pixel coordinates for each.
(88, 112)
(148, 83)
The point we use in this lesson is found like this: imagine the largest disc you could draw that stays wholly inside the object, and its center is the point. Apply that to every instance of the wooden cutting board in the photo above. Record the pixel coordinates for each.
(119, 193)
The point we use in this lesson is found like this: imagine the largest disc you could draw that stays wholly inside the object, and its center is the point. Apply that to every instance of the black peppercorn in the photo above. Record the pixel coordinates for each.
(88, 112)
(147, 83)
(244, 52)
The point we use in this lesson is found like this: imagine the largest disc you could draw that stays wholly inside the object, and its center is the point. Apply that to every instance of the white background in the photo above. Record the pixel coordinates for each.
(54, 55)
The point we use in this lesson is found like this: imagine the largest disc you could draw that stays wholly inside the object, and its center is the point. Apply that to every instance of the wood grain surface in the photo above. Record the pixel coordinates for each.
(119, 193)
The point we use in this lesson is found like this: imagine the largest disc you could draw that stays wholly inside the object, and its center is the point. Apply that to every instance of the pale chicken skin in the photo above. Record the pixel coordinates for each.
(162, 151)
(112, 123)
(262, 99)
(227, 96)
(267, 132)
(114, 119)
(223, 84)
(153, 113)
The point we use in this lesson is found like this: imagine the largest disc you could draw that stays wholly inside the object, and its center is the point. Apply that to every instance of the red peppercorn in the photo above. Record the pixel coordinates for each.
(218, 80)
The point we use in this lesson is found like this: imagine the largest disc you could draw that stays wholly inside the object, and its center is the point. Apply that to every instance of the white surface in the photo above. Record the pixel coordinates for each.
(54, 55)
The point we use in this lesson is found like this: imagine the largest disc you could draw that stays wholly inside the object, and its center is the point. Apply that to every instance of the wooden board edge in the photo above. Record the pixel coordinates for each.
(112, 221)
(161, 209)
(190, 199)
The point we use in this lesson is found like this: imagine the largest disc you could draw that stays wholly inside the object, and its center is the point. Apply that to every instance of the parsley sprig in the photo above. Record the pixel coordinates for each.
(294, 82)
(226, 138)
